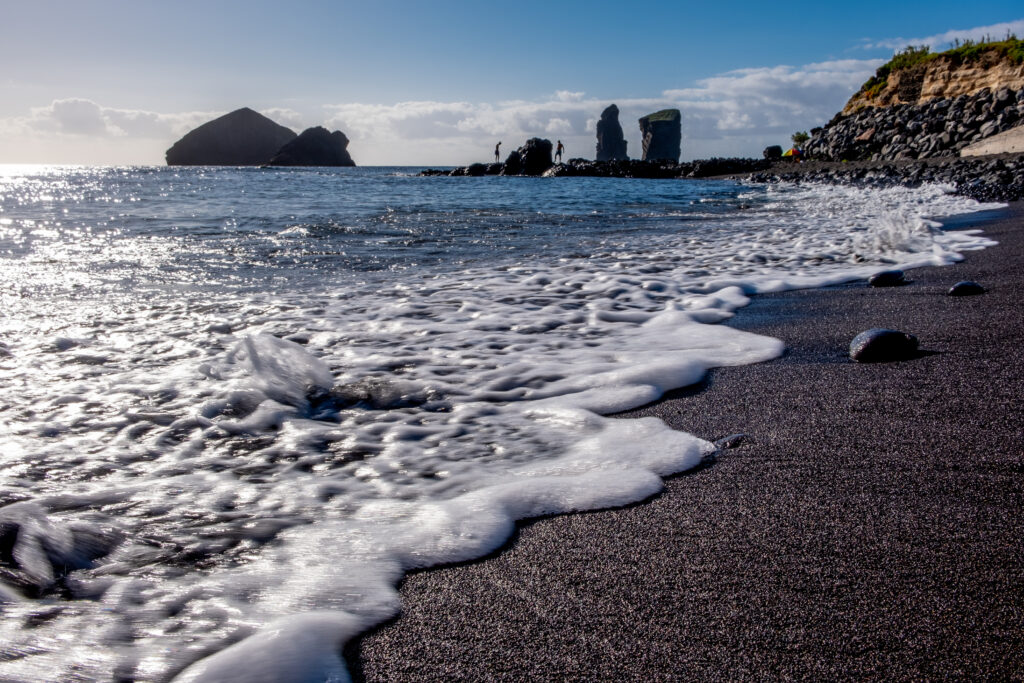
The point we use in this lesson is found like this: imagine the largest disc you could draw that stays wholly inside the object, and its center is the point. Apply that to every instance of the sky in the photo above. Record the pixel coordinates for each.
(439, 82)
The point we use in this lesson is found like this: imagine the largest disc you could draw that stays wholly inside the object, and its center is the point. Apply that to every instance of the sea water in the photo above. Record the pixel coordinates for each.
(236, 405)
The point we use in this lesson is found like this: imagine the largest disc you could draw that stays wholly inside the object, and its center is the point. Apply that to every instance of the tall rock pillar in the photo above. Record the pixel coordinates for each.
(662, 135)
(611, 145)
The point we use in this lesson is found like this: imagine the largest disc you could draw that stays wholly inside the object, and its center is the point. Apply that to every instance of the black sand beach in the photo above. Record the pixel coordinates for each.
(871, 526)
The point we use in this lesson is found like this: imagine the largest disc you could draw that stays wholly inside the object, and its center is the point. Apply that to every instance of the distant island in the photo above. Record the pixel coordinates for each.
(247, 138)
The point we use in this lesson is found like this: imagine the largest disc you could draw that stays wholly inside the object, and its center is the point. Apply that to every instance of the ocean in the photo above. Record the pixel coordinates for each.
(237, 405)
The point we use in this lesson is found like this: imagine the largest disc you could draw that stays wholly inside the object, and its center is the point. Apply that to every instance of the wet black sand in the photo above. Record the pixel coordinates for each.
(872, 526)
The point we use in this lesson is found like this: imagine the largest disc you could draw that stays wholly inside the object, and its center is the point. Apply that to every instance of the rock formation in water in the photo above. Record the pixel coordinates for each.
(662, 135)
(533, 158)
(241, 138)
(611, 145)
(315, 147)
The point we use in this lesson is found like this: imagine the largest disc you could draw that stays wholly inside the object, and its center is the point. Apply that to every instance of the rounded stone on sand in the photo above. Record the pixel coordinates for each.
(881, 345)
(966, 288)
(887, 278)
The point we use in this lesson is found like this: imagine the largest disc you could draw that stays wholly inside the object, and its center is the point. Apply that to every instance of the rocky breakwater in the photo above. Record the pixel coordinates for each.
(662, 135)
(611, 145)
(315, 147)
(699, 168)
(630, 168)
(242, 138)
(922, 105)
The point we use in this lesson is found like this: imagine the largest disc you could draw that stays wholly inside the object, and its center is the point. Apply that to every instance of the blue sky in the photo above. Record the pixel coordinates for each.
(439, 81)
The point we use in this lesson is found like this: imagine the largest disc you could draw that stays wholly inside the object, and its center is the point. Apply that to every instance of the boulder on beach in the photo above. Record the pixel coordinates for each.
(888, 278)
(611, 145)
(242, 138)
(315, 147)
(773, 152)
(662, 135)
(882, 346)
(966, 288)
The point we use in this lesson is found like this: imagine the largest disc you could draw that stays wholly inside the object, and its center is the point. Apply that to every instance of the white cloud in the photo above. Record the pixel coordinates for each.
(556, 126)
(85, 118)
(289, 118)
(76, 130)
(943, 40)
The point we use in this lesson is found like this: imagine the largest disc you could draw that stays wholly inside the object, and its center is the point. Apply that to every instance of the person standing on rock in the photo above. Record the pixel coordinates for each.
(497, 151)
(558, 150)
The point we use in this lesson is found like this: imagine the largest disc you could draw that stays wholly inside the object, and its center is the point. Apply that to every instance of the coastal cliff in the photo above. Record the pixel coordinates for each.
(922, 105)
(917, 76)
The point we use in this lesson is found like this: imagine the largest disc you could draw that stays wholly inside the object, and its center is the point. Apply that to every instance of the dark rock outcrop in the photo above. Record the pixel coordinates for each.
(513, 164)
(662, 135)
(939, 128)
(315, 147)
(882, 346)
(242, 138)
(536, 156)
(611, 145)
(533, 158)
(772, 152)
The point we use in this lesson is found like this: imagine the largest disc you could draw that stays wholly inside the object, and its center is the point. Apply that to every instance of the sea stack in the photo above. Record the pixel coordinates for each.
(315, 147)
(662, 135)
(611, 145)
(242, 138)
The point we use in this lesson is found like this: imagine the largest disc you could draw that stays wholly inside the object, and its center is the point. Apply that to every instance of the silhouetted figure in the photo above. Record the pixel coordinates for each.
(497, 152)
(558, 150)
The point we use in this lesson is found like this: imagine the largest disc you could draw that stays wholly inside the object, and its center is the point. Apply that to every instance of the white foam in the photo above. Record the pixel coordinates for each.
(272, 493)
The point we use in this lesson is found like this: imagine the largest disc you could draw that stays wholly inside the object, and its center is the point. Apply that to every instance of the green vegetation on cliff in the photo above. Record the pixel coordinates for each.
(1011, 49)
(663, 115)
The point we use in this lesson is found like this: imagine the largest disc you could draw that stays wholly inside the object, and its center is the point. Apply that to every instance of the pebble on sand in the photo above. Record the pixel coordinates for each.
(882, 346)
(887, 278)
(966, 288)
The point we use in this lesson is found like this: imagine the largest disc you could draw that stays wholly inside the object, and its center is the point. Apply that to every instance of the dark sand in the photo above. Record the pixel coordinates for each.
(872, 526)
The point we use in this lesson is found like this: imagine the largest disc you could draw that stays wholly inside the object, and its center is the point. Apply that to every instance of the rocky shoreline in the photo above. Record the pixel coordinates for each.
(989, 178)
(992, 178)
(939, 128)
